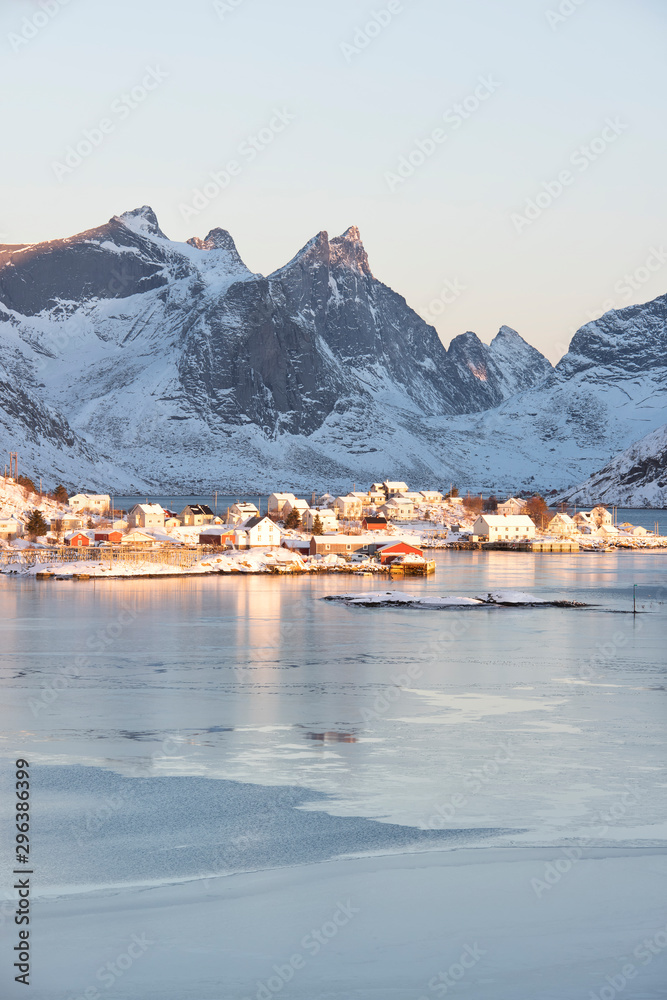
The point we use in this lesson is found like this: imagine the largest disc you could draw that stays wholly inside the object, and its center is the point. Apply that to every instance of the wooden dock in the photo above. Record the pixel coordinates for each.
(533, 545)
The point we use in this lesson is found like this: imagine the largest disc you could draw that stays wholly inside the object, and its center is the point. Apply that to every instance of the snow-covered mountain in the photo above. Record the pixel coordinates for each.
(132, 361)
(635, 478)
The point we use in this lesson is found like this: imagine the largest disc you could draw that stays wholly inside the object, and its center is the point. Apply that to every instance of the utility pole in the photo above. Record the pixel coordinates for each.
(14, 465)
(634, 599)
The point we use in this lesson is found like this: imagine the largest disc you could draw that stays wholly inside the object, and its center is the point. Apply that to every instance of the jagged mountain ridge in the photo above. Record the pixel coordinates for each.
(168, 355)
(169, 364)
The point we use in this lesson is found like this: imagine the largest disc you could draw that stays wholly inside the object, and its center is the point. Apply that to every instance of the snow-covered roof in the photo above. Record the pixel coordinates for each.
(396, 542)
(511, 520)
(198, 508)
(89, 496)
(148, 508)
(344, 539)
(258, 519)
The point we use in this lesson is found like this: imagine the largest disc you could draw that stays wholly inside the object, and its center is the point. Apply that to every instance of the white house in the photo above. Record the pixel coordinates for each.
(327, 517)
(146, 515)
(138, 538)
(583, 520)
(391, 487)
(431, 496)
(512, 506)
(504, 527)
(68, 522)
(258, 531)
(632, 529)
(562, 525)
(300, 506)
(10, 527)
(600, 515)
(195, 514)
(348, 506)
(278, 500)
(98, 503)
(397, 509)
(242, 511)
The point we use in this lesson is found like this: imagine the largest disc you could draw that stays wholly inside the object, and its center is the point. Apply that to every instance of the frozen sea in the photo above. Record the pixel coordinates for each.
(230, 753)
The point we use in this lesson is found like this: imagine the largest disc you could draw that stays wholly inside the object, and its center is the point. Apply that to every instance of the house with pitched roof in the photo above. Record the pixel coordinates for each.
(258, 532)
(513, 505)
(504, 527)
(194, 514)
(146, 515)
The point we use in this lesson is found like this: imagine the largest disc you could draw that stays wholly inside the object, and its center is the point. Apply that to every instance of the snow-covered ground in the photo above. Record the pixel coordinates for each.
(15, 500)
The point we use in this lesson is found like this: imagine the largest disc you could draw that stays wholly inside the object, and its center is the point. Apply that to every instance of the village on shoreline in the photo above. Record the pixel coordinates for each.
(388, 528)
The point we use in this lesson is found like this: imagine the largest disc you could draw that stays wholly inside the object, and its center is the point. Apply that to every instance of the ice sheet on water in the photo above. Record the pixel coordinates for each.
(163, 829)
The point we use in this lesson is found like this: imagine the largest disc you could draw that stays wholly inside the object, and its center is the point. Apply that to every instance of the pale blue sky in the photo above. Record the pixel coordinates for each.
(228, 69)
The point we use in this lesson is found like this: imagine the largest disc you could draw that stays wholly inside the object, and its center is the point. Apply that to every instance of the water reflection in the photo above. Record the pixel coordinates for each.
(258, 680)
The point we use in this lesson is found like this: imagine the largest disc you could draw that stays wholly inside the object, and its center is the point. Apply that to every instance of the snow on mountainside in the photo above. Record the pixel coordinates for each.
(177, 363)
(606, 392)
(635, 478)
(131, 360)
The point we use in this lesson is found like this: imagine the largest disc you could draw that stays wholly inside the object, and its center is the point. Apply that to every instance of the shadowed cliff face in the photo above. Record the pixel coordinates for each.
(322, 332)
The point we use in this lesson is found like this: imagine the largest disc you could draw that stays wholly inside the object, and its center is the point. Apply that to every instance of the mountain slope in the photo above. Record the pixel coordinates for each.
(172, 365)
(635, 478)
(182, 365)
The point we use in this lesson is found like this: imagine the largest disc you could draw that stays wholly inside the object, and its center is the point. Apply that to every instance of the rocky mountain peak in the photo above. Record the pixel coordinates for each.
(219, 240)
(508, 334)
(142, 221)
(348, 250)
(632, 339)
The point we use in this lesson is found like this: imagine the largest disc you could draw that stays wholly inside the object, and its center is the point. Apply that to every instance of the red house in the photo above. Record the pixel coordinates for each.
(216, 537)
(115, 537)
(395, 549)
(77, 538)
(374, 523)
